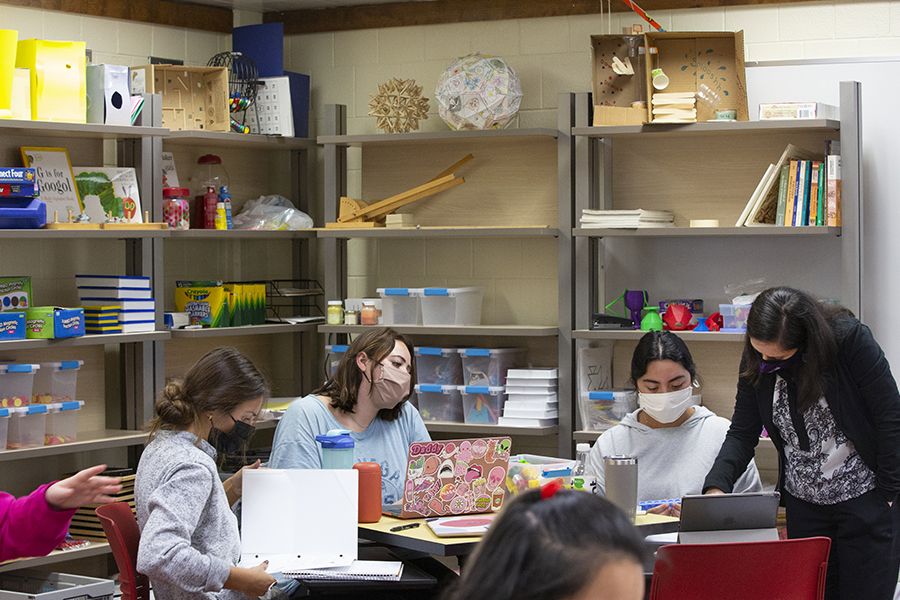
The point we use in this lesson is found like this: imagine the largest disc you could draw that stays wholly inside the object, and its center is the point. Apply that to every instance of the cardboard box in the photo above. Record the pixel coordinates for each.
(51, 322)
(615, 93)
(15, 293)
(782, 111)
(57, 78)
(108, 95)
(709, 64)
(192, 97)
(204, 301)
(12, 326)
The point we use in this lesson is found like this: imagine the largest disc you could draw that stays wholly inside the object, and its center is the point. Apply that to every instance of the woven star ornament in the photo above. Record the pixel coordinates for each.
(478, 92)
(398, 106)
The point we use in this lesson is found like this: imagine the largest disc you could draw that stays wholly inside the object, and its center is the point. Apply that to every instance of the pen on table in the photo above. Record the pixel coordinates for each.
(403, 527)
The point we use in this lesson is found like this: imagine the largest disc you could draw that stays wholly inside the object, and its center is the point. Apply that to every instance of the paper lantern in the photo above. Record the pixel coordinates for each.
(478, 92)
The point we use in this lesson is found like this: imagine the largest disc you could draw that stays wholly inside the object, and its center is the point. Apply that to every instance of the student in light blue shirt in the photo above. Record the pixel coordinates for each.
(367, 395)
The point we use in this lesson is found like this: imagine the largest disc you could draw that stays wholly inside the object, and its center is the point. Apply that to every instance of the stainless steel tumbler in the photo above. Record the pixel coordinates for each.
(621, 473)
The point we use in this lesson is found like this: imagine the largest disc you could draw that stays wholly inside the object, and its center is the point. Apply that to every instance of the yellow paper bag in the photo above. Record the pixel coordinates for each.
(57, 79)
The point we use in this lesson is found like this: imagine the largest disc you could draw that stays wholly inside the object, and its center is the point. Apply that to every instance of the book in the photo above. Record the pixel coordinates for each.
(121, 303)
(106, 191)
(791, 202)
(801, 216)
(820, 212)
(112, 281)
(782, 194)
(95, 292)
(138, 326)
(814, 192)
(130, 316)
(833, 190)
(358, 570)
(752, 208)
(169, 174)
(53, 171)
(626, 219)
(768, 203)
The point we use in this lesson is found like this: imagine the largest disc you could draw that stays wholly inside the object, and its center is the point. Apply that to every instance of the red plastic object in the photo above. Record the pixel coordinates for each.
(123, 535)
(678, 318)
(714, 321)
(773, 570)
(369, 492)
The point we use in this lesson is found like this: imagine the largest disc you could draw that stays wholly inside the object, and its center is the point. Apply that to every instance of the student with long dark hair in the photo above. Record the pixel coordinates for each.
(367, 395)
(674, 441)
(814, 376)
(555, 545)
(190, 545)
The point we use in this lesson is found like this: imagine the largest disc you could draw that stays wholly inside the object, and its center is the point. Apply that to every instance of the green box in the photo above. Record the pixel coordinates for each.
(15, 293)
(51, 322)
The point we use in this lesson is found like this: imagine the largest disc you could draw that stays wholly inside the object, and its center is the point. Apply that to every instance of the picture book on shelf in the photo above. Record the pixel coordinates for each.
(57, 182)
(109, 191)
(765, 209)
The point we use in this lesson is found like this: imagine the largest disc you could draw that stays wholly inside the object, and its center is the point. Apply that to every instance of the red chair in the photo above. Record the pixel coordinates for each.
(122, 532)
(773, 570)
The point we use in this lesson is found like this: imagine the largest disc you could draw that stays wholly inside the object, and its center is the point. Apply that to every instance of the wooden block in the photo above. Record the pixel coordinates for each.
(81, 226)
(352, 225)
(135, 225)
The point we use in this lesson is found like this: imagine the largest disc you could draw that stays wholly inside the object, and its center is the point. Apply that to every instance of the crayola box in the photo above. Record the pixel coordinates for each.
(51, 322)
(15, 293)
(204, 301)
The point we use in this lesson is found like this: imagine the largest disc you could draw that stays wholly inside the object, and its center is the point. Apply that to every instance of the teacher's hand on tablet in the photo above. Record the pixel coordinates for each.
(671, 509)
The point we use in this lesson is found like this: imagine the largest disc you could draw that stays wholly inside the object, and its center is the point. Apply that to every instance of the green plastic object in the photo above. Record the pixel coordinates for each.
(651, 321)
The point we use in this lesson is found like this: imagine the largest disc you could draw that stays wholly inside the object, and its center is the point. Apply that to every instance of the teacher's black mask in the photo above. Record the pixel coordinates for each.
(231, 442)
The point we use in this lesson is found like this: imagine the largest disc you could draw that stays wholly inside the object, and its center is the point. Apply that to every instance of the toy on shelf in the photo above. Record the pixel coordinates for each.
(360, 214)
(243, 84)
(679, 318)
(116, 223)
(398, 106)
(79, 221)
(633, 300)
(714, 322)
(651, 321)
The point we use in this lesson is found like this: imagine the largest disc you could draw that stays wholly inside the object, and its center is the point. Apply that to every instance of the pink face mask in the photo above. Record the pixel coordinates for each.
(393, 386)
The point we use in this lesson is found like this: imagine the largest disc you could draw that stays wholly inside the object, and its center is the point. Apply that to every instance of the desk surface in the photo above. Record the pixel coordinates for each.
(422, 539)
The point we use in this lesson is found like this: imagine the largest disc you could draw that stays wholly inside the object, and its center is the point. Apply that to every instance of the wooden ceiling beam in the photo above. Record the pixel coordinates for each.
(407, 14)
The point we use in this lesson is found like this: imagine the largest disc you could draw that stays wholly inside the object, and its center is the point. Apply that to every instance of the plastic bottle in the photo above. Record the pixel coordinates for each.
(225, 196)
(369, 492)
(581, 457)
(337, 449)
(210, 200)
(221, 222)
(176, 208)
(368, 315)
(335, 312)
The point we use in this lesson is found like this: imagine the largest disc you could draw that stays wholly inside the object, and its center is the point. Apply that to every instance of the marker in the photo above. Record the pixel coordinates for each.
(405, 527)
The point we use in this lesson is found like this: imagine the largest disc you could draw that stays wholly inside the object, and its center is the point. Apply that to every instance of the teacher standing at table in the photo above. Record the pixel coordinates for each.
(814, 376)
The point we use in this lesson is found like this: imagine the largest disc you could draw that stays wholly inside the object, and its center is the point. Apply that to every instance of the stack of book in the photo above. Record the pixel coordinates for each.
(131, 295)
(674, 107)
(101, 319)
(532, 399)
(86, 523)
(626, 219)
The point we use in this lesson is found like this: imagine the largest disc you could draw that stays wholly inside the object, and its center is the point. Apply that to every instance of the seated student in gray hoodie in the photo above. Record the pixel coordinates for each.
(674, 441)
(190, 544)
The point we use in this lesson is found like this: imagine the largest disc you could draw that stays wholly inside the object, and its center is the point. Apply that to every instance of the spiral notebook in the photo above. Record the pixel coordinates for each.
(365, 570)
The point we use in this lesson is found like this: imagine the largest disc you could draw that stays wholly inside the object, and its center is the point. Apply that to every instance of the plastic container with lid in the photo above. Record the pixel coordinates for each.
(368, 315)
(177, 207)
(603, 409)
(62, 422)
(4, 427)
(209, 173)
(335, 354)
(26, 426)
(440, 403)
(482, 403)
(401, 306)
(16, 384)
(337, 449)
(335, 312)
(56, 381)
(452, 306)
(483, 366)
(440, 366)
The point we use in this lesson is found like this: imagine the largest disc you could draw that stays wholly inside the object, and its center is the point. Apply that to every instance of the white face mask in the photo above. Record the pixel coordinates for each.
(666, 408)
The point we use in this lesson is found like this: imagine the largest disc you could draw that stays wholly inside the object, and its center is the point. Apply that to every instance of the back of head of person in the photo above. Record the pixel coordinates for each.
(664, 374)
(571, 545)
(370, 348)
(789, 328)
(216, 386)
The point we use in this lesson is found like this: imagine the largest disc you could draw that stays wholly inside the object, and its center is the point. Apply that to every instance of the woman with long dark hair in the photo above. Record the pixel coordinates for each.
(817, 380)
(674, 441)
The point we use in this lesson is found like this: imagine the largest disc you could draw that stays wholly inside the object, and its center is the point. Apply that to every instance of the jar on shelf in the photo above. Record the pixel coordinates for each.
(176, 207)
(209, 173)
(335, 312)
(368, 315)
(351, 317)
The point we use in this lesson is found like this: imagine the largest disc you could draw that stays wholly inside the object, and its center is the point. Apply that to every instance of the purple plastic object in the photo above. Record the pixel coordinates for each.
(634, 301)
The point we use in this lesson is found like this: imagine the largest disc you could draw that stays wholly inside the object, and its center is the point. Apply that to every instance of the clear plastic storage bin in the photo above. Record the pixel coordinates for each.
(16, 385)
(439, 366)
(28, 584)
(4, 427)
(62, 422)
(440, 403)
(452, 306)
(335, 354)
(602, 410)
(526, 471)
(26, 426)
(734, 316)
(56, 381)
(482, 404)
(401, 306)
(482, 366)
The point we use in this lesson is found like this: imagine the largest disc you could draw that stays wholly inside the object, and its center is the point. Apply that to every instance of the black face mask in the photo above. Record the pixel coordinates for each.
(229, 443)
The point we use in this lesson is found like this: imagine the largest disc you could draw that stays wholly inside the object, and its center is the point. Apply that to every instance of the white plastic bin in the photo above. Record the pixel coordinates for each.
(26, 426)
(482, 403)
(28, 584)
(4, 427)
(440, 403)
(62, 422)
(482, 366)
(604, 409)
(401, 306)
(335, 354)
(56, 382)
(452, 306)
(16, 384)
(439, 366)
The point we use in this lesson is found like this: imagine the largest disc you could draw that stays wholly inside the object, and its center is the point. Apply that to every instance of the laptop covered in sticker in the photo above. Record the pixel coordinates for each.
(453, 477)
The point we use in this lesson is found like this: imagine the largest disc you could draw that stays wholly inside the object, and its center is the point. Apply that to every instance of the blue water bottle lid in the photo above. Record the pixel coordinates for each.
(336, 439)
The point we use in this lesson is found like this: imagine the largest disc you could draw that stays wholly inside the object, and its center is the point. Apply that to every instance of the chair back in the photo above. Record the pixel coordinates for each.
(771, 570)
(123, 535)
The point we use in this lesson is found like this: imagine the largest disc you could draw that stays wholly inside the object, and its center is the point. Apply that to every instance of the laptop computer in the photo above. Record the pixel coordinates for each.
(453, 477)
(717, 518)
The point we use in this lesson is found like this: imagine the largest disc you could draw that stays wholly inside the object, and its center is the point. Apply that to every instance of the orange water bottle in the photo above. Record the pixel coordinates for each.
(369, 492)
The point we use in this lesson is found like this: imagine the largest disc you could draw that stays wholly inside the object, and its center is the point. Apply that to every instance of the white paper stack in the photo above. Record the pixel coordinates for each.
(532, 399)
(626, 219)
(132, 295)
(674, 107)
